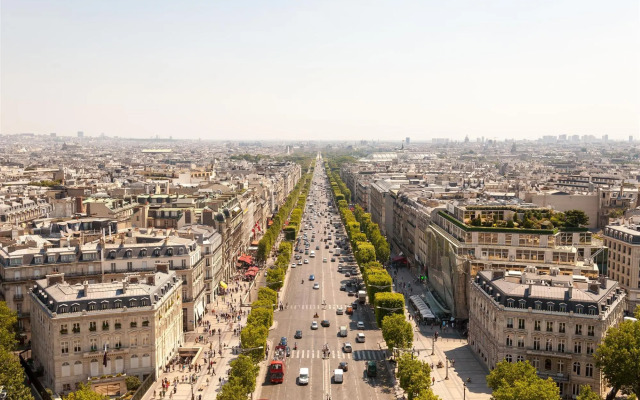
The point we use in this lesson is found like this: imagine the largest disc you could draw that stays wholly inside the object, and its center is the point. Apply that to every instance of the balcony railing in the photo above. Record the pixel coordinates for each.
(118, 325)
(92, 328)
(558, 377)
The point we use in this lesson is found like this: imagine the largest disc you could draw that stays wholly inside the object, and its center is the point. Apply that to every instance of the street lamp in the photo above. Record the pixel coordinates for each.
(446, 361)
(464, 390)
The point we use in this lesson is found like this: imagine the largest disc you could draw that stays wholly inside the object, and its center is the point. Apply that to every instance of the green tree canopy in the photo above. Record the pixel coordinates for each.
(12, 375)
(264, 293)
(85, 393)
(365, 252)
(275, 278)
(252, 337)
(245, 371)
(132, 382)
(414, 375)
(576, 218)
(519, 381)
(618, 355)
(261, 316)
(387, 303)
(397, 332)
(586, 393)
(506, 374)
(232, 390)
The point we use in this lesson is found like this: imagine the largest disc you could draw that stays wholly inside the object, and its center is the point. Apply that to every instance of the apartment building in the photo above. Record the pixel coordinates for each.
(624, 260)
(554, 321)
(104, 332)
(17, 210)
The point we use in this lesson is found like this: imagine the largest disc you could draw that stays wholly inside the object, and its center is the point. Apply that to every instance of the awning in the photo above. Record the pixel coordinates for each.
(254, 269)
(250, 273)
(400, 258)
(223, 285)
(246, 259)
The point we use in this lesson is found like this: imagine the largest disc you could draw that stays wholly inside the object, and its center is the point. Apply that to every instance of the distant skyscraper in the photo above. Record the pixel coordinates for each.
(605, 138)
(630, 138)
(562, 137)
(80, 134)
(408, 140)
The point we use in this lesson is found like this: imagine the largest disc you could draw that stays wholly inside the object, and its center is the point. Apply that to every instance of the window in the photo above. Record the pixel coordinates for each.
(550, 306)
(560, 345)
(63, 329)
(536, 363)
(520, 341)
(576, 368)
(593, 310)
(509, 342)
(538, 305)
(547, 364)
(105, 305)
(522, 303)
(536, 325)
(64, 347)
(520, 359)
(92, 306)
(579, 309)
(133, 341)
(129, 266)
(128, 253)
(93, 342)
(588, 370)
(561, 327)
(508, 358)
(577, 347)
(143, 253)
(578, 329)
(170, 251)
(113, 266)
(144, 303)
(117, 304)
(92, 326)
(549, 326)
(591, 330)
(563, 307)
(145, 339)
(75, 307)
(536, 343)
(76, 327)
(76, 346)
(589, 348)
(548, 344)
(510, 302)
(133, 303)
(521, 323)
(560, 367)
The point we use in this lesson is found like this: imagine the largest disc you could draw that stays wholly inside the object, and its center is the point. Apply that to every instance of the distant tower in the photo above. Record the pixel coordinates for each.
(466, 139)
(630, 139)
(408, 140)
(80, 134)
(605, 138)
(52, 134)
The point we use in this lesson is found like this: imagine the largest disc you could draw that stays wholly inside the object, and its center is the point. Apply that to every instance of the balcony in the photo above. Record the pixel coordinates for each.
(145, 323)
(92, 328)
(64, 331)
(118, 325)
(557, 377)
(18, 297)
(105, 327)
(76, 330)
(134, 324)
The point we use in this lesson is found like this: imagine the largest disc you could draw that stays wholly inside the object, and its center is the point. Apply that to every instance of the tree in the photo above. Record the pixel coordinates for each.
(275, 278)
(245, 371)
(365, 252)
(576, 218)
(506, 374)
(535, 389)
(414, 375)
(618, 355)
(379, 281)
(387, 303)
(12, 375)
(232, 390)
(519, 381)
(252, 337)
(8, 321)
(586, 393)
(132, 382)
(261, 315)
(264, 293)
(84, 392)
(397, 332)
(427, 395)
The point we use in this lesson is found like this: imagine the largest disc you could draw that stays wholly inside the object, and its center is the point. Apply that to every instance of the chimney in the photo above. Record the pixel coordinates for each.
(570, 292)
(80, 204)
(124, 286)
(86, 288)
(151, 280)
(530, 288)
(162, 267)
(603, 281)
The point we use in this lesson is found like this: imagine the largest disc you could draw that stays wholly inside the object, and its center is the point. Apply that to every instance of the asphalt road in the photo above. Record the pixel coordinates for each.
(303, 302)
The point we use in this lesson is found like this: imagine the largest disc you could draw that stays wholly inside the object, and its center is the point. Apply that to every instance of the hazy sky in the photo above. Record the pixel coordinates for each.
(321, 69)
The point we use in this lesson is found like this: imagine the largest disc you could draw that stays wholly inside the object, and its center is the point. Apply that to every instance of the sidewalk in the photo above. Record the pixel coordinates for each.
(449, 345)
(225, 341)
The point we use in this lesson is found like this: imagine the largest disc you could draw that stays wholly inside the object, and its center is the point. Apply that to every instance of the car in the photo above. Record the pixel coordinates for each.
(312, 277)
(360, 337)
(343, 366)
(324, 260)
(326, 246)
(343, 288)
(314, 325)
(325, 323)
(339, 310)
(283, 341)
(347, 275)
(316, 286)
(306, 261)
(333, 259)
(288, 351)
(360, 325)
(293, 265)
(347, 347)
(317, 247)
(298, 334)
(300, 262)
(350, 310)
(351, 293)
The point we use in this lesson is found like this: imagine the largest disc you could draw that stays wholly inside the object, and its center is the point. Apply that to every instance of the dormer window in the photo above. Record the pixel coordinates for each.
(51, 258)
(563, 307)
(112, 254)
(170, 251)
(37, 260)
(128, 253)
(143, 253)
(522, 303)
(579, 309)
(62, 309)
(593, 310)
(156, 252)
(550, 306)
(510, 302)
(75, 307)
(92, 306)
(133, 303)
(117, 304)
(180, 251)
(538, 305)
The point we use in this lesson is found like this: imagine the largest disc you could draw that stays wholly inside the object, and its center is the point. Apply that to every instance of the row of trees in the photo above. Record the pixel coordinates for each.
(269, 239)
(12, 376)
(253, 338)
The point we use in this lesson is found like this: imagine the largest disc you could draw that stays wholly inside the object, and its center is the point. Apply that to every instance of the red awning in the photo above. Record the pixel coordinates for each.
(250, 273)
(400, 258)
(255, 269)
(245, 259)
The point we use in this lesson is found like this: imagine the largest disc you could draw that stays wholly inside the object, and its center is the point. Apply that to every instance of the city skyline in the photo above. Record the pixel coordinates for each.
(329, 71)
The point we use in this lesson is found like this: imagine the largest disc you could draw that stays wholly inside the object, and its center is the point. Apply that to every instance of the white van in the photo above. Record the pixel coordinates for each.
(312, 254)
(343, 331)
(303, 378)
(338, 375)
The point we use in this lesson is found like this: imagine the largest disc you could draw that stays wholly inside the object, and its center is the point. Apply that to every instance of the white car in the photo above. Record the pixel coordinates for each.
(306, 261)
(360, 325)
(360, 337)
(317, 286)
(339, 310)
(293, 265)
(314, 325)
(347, 348)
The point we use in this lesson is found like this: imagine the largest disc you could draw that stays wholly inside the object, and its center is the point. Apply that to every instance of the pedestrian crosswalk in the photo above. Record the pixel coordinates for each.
(316, 306)
(357, 355)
